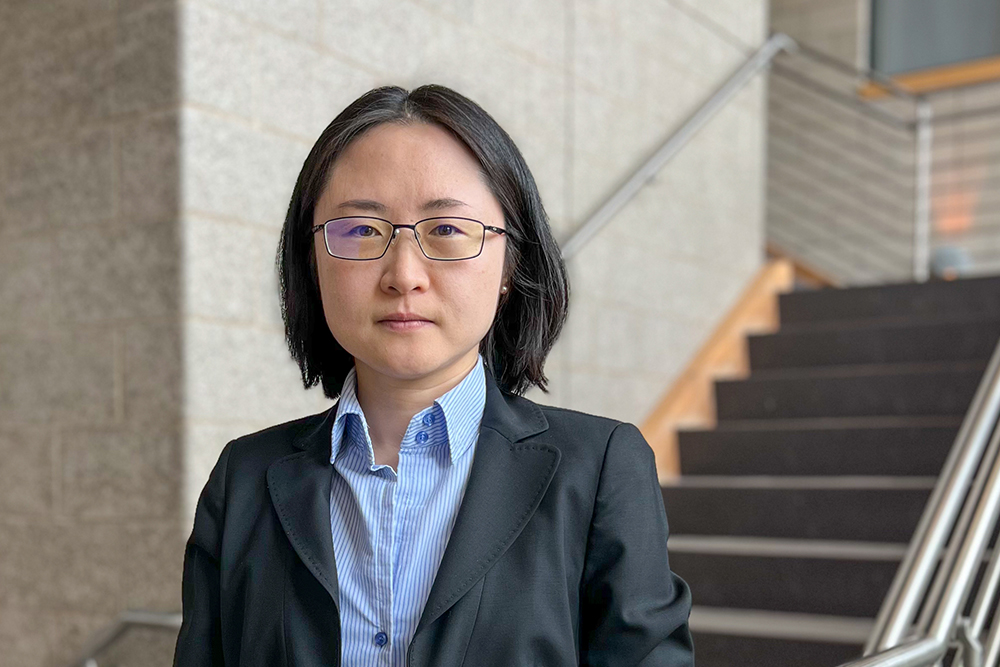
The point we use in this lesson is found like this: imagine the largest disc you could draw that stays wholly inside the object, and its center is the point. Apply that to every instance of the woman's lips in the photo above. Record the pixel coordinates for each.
(405, 325)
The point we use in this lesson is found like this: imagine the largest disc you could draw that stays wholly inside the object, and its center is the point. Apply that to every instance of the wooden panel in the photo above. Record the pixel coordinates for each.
(939, 78)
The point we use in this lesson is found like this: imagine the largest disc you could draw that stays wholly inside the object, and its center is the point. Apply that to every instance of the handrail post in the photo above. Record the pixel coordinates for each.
(922, 191)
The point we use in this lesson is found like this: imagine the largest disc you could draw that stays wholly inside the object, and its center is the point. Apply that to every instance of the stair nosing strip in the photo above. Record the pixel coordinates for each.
(777, 547)
(853, 482)
(780, 625)
(831, 423)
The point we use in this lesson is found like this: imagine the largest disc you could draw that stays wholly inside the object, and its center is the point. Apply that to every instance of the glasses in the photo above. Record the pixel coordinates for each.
(363, 237)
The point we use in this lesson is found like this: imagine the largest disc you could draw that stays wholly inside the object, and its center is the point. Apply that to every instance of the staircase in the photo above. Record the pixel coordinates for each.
(792, 515)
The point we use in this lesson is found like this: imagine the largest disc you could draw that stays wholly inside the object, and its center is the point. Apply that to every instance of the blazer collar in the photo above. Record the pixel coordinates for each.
(506, 485)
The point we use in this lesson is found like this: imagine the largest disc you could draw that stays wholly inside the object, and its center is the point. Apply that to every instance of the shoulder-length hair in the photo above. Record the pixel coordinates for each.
(530, 315)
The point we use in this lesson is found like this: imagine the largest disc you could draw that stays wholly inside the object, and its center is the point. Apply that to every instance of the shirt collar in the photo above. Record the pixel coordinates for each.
(462, 408)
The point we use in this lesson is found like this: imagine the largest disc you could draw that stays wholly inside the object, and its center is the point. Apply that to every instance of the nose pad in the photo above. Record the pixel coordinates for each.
(395, 235)
(397, 230)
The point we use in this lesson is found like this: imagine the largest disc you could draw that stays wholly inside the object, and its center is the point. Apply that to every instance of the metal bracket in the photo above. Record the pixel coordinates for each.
(972, 650)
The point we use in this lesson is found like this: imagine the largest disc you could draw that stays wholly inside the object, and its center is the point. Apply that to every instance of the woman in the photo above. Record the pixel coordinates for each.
(433, 515)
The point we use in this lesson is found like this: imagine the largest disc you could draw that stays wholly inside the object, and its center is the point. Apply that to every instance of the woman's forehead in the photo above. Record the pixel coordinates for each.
(417, 165)
(426, 146)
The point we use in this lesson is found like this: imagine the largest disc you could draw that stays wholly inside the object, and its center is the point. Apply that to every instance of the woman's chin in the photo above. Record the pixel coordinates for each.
(406, 364)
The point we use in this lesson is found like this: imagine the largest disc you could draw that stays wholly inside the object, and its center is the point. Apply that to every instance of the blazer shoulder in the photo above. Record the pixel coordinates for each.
(578, 418)
(262, 447)
(570, 425)
(584, 439)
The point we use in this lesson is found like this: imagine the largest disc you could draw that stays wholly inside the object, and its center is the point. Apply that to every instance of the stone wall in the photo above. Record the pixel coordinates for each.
(90, 321)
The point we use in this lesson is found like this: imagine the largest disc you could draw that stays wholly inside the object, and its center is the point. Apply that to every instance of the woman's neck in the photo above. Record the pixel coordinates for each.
(389, 403)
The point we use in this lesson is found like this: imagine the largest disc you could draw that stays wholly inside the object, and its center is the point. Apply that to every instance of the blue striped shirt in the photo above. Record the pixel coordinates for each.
(390, 528)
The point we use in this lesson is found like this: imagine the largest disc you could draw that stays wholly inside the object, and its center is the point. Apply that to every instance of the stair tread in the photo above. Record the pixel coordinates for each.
(840, 586)
(889, 323)
(863, 370)
(846, 512)
(908, 450)
(830, 423)
(969, 296)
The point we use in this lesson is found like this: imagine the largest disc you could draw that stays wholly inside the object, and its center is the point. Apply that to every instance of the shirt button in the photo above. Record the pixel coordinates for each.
(428, 419)
(422, 437)
(381, 638)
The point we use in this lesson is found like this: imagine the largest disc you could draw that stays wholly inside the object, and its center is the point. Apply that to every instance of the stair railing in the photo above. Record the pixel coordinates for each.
(938, 573)
(125, 622)
(760, 60)
(919, 128)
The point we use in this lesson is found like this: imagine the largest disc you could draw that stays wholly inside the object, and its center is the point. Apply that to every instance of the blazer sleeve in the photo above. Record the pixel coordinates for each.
(634, 610)
(199, 643)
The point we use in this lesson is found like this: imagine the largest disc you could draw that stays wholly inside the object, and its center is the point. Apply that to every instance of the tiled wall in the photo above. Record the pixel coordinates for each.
(140, 333)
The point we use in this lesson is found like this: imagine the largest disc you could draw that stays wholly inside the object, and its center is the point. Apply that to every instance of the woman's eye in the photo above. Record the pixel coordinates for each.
(444, 230)
(356, 231)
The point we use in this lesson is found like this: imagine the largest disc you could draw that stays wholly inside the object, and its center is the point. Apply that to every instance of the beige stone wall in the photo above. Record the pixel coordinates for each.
(650, 287)
(142, 332)
(90, 350)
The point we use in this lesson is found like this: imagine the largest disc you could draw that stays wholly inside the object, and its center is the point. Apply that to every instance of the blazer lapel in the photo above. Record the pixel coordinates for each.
(299, 485)
(505, 487)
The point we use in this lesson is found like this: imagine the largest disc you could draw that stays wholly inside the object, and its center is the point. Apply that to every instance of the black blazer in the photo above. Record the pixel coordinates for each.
(558, 555)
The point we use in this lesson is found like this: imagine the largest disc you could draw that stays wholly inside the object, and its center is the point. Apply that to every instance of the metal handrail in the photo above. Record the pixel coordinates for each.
(761, 58)
(964, 506)
(125, 622)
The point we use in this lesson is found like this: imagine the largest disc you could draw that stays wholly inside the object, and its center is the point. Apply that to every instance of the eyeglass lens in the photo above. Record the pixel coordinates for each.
(439, 238)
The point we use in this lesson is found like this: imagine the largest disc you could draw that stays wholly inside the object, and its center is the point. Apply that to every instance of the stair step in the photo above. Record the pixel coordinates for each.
(866, 509)
(798, 582)
(924, 341)
(970, 296)
(751, 638)
(880, 450)
(889, 389)
(715, 650)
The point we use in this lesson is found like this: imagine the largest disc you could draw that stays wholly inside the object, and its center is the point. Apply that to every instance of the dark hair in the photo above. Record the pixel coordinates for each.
(530, 315)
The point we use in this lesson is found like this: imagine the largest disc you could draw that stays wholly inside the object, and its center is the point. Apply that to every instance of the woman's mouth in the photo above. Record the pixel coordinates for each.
(405, 325)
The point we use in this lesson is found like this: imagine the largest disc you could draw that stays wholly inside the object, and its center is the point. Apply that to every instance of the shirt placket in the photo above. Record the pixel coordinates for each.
(385, 637)
(401, 539)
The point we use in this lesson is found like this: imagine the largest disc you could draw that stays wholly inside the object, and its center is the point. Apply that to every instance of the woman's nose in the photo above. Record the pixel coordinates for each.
(406, 263)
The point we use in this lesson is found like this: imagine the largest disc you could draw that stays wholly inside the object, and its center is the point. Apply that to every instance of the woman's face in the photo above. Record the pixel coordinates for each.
(404, 173)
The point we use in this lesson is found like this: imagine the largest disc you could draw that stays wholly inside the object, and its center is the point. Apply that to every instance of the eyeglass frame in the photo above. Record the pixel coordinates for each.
(395, 230)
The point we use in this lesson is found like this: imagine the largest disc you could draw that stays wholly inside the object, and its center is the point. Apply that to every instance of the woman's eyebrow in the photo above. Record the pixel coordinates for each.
(378, 207)
(443, 202)
(364, 205)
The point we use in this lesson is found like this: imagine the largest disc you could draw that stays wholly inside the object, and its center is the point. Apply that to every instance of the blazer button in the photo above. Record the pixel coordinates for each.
(381, 638)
